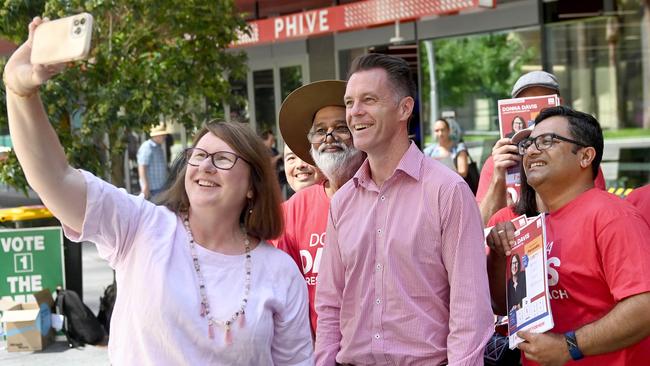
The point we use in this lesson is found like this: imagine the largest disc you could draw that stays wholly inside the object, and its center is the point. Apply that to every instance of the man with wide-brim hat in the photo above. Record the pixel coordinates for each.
(313, 125)
(152, 163)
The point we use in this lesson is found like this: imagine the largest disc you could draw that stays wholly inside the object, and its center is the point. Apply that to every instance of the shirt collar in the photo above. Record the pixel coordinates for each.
(410, 164)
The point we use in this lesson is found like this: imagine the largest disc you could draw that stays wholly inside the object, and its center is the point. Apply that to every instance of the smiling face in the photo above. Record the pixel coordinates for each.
(375, 113)
(299, 174)
(333, 156)
(556, 166)
(518, 124)
(209, 187)
(514, 265)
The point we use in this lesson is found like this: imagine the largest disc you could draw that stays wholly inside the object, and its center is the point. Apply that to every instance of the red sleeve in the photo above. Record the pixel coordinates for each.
(485, 179)
(625, 253)
(286, 242)
(640, 198)
(505, 214)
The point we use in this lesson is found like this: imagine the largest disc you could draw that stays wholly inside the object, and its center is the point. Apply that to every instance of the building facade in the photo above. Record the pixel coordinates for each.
(465, 56)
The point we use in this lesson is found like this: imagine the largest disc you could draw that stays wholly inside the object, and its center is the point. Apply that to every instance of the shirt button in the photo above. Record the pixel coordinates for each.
(379, 231)
(378, 301)
(377, 336)
(378, 267)
(383, 198)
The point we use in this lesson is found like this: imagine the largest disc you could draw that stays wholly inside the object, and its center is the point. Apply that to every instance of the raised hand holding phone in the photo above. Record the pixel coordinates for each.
(62, 40)
(23, 75)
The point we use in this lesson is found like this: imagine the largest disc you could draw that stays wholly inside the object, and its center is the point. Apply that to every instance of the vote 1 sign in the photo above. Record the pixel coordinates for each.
(30, 260)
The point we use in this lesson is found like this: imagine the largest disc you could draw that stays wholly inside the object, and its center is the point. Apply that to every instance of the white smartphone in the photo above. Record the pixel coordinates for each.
(62, 40)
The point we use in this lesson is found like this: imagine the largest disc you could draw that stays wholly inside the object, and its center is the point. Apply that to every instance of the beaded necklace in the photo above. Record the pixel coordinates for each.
(205, 306)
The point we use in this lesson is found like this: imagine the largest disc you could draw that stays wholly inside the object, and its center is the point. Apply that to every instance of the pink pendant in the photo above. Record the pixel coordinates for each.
(242, 320)
(228, 336)
(210, 331)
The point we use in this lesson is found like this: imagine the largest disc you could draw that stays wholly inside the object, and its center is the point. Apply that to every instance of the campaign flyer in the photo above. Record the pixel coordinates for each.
(527, 296)
(515, 115)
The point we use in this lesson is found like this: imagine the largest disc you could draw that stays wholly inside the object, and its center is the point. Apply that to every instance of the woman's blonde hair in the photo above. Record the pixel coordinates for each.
(262, 216)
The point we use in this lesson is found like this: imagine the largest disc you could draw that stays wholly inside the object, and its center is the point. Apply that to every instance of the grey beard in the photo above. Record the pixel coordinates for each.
(338, 166)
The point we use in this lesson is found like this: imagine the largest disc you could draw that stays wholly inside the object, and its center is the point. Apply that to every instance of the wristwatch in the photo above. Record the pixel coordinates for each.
(572, 343)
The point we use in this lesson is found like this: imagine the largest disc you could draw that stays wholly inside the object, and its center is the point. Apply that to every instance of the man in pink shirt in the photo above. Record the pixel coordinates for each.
(401, 279)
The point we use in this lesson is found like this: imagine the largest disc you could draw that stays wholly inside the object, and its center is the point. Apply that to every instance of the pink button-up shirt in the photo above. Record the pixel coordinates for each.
(403, 275)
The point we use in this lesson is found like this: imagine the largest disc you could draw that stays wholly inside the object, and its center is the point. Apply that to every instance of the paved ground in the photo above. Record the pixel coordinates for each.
(96, 276)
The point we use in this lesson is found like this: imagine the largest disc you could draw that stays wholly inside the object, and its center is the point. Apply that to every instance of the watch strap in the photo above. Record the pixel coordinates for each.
(572, 344)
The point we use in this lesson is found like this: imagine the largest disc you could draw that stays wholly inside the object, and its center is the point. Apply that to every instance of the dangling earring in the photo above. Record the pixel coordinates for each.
(249, 207)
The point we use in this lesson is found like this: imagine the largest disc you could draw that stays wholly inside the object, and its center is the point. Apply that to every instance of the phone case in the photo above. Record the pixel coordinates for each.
(62, 40)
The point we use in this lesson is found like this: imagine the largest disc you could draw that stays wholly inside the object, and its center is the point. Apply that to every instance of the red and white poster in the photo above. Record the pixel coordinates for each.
(527, 296)
(515, 115)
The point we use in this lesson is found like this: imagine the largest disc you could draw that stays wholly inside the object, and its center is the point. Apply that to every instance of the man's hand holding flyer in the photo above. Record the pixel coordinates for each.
(515, 115)
(527, 294)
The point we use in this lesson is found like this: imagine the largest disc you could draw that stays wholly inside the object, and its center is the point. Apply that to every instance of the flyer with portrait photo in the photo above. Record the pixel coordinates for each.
(517, 114)
(527, 296)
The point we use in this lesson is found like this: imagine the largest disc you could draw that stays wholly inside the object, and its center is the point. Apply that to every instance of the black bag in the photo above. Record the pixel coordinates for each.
(80, 325)
(106, 305)
(497, 352)
(473, 174)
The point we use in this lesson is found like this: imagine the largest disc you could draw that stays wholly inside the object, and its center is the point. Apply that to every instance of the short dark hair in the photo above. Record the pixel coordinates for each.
(265, 220)
(398, 70)
(583, 127)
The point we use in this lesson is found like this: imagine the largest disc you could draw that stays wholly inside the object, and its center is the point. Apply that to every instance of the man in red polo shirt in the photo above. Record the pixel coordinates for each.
(491, 194)
(597, 245)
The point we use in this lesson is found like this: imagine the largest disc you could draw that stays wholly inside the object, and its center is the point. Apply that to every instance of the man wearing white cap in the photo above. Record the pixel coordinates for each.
(152, 164)
(491, 194)
(312, 123)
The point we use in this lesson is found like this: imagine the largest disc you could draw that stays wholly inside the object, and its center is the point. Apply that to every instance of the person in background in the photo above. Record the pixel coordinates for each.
(276, 158)
(451, 154)
(152, 162)
(640, 197)
(402, 279)
(599, 289)
(312, 121)
(199, 284)
(491, 194)
(299, 173)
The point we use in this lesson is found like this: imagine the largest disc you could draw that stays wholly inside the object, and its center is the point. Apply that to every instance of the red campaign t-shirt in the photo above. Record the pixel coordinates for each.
(640, 198)
(505, 214)
(488, 170)
(598, 255)
(305, 222)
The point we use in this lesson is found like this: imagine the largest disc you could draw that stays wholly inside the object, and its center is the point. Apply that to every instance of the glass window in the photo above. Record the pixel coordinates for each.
(238, 100)
(599, 64)
(466, 76)
(264, 100)
(290, 79)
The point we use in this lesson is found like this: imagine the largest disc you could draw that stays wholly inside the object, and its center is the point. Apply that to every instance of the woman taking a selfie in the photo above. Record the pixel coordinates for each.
(198, 283)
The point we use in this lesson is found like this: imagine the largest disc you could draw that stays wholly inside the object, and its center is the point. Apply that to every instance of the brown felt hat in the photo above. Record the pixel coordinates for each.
(298, 111)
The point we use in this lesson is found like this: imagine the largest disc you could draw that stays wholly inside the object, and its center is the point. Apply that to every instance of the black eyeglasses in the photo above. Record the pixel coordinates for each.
(340, 133)
(223, 160)
(543, 142)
